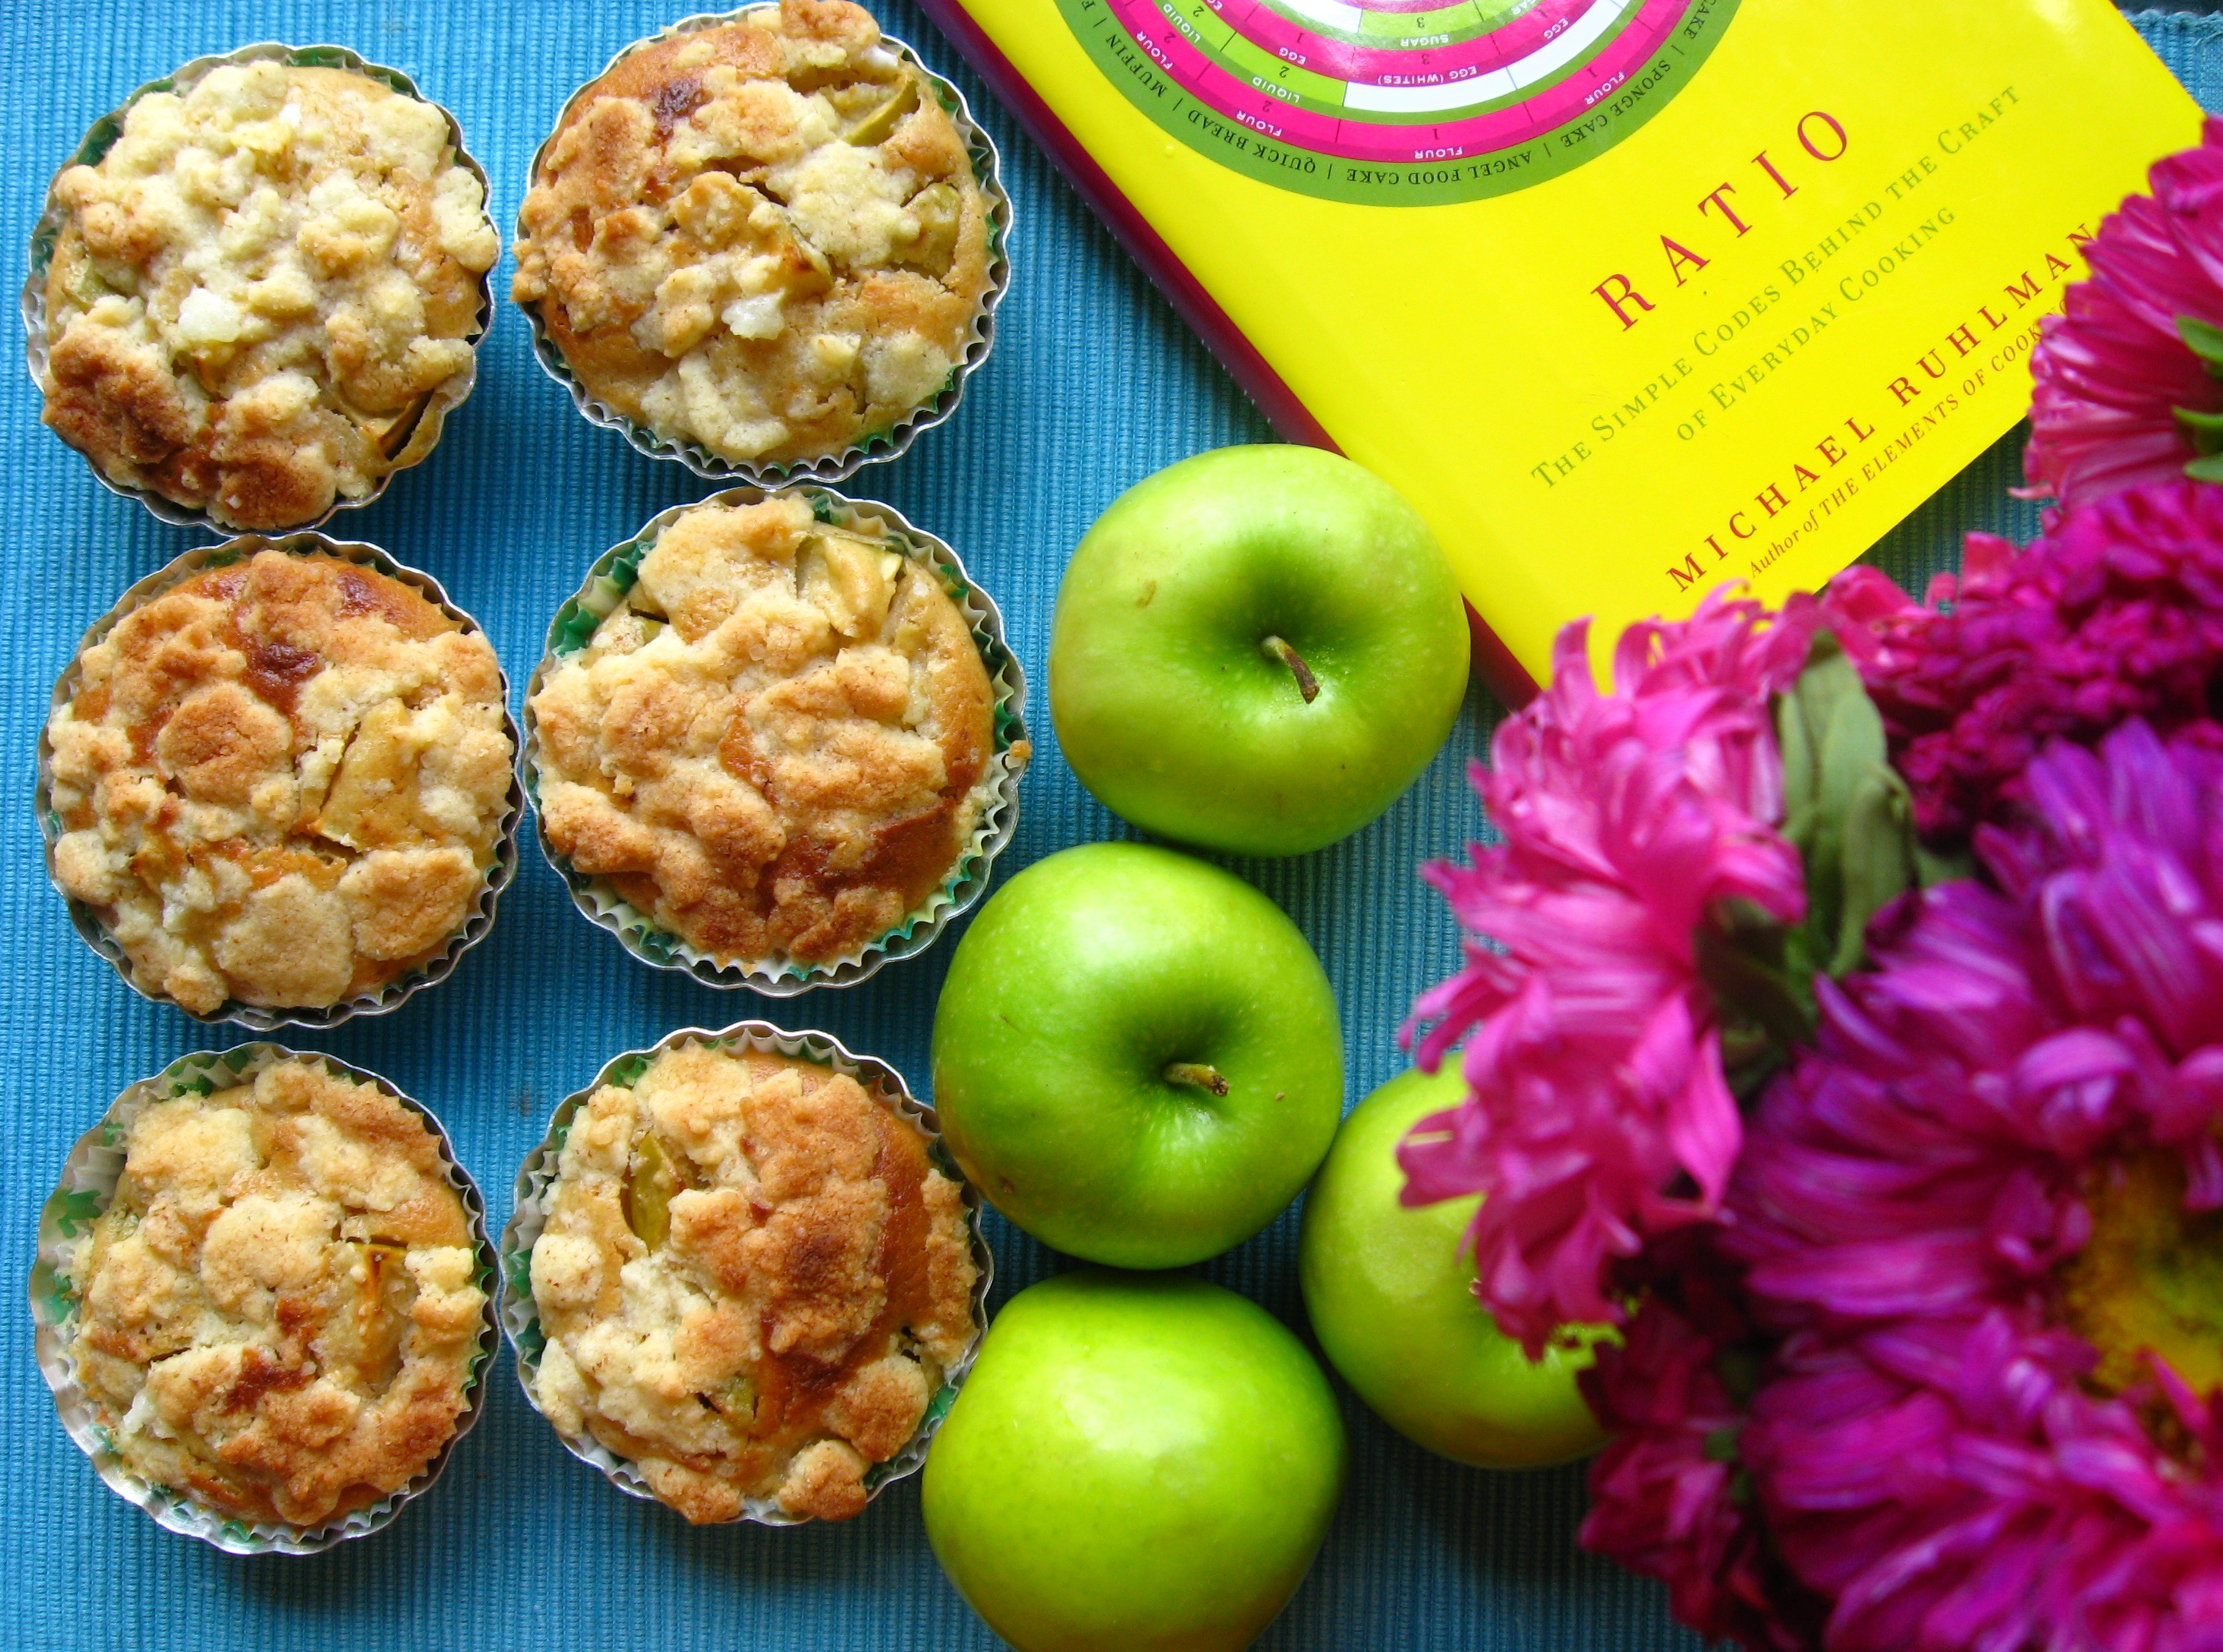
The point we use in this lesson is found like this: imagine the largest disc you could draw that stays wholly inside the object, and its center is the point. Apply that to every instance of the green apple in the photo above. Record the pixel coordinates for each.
(1136, 1057)
(1256, 651)
(1139, 1463)
(1391, 1296)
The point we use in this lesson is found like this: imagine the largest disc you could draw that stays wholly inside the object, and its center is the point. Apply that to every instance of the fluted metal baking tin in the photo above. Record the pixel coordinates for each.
(424, 436)
(88, 1182)
(87, 922)
(520, 1318)
(637, 932)
(888, 444)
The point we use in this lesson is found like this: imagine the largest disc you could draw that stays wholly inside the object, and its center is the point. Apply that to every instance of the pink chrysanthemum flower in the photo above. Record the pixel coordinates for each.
(1598, 1114)
(1986, 1212)
(1668, 1497)
(2116, 613)
(2125, 388)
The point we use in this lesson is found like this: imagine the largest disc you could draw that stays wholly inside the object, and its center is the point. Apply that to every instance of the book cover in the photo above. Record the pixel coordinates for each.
(1633, 298)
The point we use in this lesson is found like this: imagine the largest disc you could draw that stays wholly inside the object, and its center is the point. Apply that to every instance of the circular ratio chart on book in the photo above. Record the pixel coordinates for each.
(1394, 103)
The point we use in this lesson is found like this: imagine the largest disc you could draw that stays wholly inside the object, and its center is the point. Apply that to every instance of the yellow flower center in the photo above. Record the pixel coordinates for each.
(2151, 1279)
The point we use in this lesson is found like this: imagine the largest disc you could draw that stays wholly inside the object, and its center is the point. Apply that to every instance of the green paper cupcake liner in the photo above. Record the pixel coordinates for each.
(425, 434)
(638, 933)
(88, 1183)
(876, 445)
(520, 1316)
(86, 920)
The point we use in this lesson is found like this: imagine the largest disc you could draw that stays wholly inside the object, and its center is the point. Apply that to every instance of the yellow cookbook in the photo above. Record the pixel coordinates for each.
(1633, 298)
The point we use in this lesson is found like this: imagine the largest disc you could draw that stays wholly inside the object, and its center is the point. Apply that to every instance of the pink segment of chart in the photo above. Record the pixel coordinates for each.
(1403, 7)
(1402, 65)
(1357, 138)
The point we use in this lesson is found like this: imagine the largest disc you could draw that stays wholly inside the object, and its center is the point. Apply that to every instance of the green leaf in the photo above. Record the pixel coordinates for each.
(1876, 862)
(1849, 816)
(1931, 867)
(2203, 431)
(1764, 995)
(1739, 1367)
(2207, 469)
(2203, 339)
(1846, 811)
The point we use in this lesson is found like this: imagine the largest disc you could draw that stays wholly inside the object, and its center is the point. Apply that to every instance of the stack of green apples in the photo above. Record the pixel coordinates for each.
(1137, 1059)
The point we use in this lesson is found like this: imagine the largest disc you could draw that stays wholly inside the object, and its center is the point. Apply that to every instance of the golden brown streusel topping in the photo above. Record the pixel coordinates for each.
(765, 237)
(260, 287)
(752, 1282)
(280, 1306)
(778, 744)
(281, 782)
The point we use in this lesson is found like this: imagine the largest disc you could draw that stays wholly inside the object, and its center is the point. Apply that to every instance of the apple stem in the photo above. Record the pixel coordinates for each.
(1307, 685)
(1195, 1072)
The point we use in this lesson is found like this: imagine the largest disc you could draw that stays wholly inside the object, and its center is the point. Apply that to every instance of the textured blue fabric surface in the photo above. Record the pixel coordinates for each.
(1092, 385)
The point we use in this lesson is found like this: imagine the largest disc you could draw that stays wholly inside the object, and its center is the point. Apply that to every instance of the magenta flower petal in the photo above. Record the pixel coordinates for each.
(1597, 1114)
(2111, 370)
(2116, 613)
(1940, 1447)
(1668, 1497)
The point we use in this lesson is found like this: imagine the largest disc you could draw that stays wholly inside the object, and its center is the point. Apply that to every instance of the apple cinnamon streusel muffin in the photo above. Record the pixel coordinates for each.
(281, 782)
(258, 295)
(752, 1282)
(281, 1307)
(780, 743)
(764, 237)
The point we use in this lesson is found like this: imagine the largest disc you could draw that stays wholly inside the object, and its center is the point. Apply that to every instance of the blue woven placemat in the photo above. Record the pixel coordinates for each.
(1092, 385)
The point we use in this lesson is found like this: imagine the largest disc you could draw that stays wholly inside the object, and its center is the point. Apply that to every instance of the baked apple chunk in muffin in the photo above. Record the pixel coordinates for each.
(281, 1307)
(281, 783)
(764, 237)
(752, 1281)
(257, 293)
(778, 744)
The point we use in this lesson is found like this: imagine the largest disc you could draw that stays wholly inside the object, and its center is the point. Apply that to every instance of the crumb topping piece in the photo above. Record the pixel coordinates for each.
(778, 744)
(281, 782)
(279, 1308)
(766, 237)
(752, 1281)
(257, 291)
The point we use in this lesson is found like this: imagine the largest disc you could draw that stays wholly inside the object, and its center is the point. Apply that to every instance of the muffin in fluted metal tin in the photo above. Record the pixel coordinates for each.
(263, 1298)
(255, 292)
(277, 783)
(743, 1277)
(777, 739)
(767, 244)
